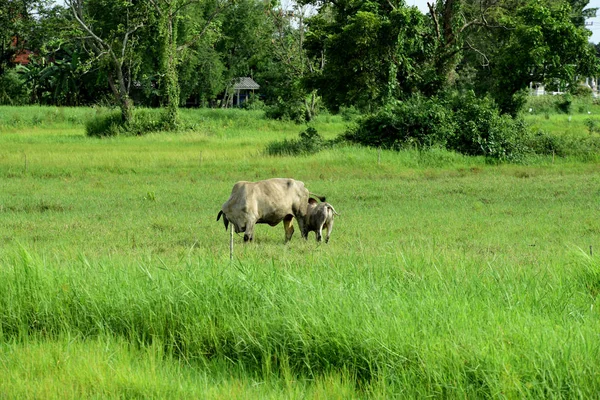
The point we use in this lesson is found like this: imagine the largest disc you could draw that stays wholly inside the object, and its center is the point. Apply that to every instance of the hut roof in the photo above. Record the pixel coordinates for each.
(245, 83)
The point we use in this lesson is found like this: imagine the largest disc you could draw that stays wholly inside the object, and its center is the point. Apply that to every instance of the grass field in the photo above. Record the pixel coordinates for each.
(445, 276)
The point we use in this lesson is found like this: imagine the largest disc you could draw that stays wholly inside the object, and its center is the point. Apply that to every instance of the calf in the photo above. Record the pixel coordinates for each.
(319, 216)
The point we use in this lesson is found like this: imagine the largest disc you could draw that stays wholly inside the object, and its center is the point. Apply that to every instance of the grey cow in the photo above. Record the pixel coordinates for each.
(267, 202)
(319, 216)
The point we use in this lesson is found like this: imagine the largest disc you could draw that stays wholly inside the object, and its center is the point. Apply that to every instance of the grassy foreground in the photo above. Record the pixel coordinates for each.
(444, 276)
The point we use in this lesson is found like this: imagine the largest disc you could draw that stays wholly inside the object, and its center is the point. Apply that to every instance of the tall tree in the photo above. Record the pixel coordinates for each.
(169, 12)
(541, 44)
(373, 52)
(110, 30)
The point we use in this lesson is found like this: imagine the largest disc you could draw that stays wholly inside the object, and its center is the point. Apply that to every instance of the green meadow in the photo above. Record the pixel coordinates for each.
(445, 276)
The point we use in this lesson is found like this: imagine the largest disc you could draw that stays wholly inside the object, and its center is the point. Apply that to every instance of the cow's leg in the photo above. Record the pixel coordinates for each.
(288, 226)
(302, 226)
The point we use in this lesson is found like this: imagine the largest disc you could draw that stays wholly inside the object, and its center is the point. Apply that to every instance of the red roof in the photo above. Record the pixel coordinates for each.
(22, 57)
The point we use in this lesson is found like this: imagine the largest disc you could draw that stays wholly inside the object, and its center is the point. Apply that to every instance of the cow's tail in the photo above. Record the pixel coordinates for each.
(225, 220)
(321, 198)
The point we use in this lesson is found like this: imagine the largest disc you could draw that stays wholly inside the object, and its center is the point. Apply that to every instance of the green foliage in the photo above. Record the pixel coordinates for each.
(287, 111)
(417, 121)
(349, 113)
(580, 90)
(481, 130)
(308, 142)
(543, 45)
(253, 103)
(459, 122)
(584, 148)
(593, 125)
(111, 123)
(13, 89)
(549, 104)
(564, 103)
(372, 54)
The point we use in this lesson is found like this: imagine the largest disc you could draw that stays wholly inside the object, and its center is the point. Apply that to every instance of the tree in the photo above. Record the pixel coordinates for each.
(373, 51)
(169, 11)
(292, 65)
(110, 31)
(541, 44)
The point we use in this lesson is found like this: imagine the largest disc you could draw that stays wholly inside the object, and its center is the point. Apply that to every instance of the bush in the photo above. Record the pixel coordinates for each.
(253, 103)
(111, 123)
(481, 130)
(564, 103)
(459, 121)
(13, 90)
(287, 111)
(585, 148)
(417, 121)
(308, 142)
(581, 90)
(349, 113)
(593, 125)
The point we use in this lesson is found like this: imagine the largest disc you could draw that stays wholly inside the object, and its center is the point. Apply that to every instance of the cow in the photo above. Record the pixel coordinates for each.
(319, 216)
(267, 202)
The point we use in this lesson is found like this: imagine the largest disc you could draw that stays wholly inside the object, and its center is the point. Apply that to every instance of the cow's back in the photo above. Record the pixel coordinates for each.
(278, 197)
(269, 201)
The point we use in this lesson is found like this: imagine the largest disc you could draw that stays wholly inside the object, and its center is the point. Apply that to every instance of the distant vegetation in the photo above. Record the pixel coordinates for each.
(380, 58)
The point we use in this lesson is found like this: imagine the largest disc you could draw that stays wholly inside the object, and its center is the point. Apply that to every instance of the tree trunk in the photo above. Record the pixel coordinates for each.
(171, 88)
(121, 95)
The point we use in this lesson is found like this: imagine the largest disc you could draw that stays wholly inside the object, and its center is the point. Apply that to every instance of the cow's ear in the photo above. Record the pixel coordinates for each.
(312, 201)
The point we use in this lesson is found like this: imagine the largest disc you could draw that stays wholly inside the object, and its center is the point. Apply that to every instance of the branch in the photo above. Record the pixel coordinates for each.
(435, 20)
(486, 61)
(84, 26)
(184, 5)
(158, 10)
(126, 38)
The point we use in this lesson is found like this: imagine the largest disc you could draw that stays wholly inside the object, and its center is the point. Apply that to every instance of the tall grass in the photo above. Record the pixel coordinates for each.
(421, 324)
(445, 276)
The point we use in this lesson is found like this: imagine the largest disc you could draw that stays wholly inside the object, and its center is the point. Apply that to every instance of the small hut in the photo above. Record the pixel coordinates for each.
(242, 88)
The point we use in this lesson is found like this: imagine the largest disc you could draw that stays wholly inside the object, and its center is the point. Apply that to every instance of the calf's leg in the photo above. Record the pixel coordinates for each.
(319, 233)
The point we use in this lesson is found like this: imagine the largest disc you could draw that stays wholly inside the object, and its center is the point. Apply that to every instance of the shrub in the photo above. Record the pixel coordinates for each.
(287, 111)
(349, 113)
(104, 124)
(458, 121)
(481, 130)
(308, 142)
(581, 90)
(585, 148)
(253, 103)
(13, 90)
(417, 121)
(564, 103)
(593, 125)
(111, 123)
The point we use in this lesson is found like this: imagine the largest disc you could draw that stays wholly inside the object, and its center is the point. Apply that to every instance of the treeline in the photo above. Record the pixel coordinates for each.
(365, 55)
